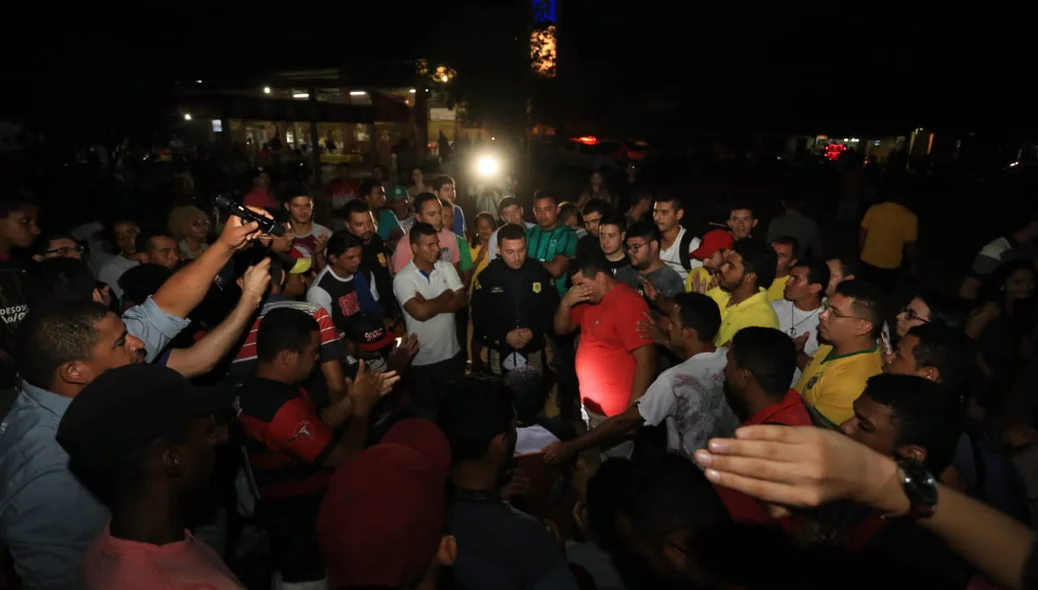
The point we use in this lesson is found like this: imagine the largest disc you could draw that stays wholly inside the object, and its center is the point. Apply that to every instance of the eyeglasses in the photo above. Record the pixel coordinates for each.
(66, 250)
(635, 247)
(835, 313)
(913, 316)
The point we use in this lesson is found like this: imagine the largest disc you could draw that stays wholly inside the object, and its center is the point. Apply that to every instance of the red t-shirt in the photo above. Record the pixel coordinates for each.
(791, 411)
(260, 198)
(608, 335)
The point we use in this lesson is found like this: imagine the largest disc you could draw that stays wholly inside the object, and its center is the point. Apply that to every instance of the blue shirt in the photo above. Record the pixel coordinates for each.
(47, 518)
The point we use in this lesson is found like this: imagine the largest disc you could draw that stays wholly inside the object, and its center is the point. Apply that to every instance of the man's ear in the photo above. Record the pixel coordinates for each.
(755, 222)
(75, 372)
(915, 452)
(447, 552)
(675, 549)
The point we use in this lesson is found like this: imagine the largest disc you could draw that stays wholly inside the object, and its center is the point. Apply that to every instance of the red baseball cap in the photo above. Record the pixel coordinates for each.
(714, 240)
(383, 516)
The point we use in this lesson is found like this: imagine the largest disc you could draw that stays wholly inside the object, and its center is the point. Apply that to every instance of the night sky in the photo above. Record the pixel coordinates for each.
(962, 69)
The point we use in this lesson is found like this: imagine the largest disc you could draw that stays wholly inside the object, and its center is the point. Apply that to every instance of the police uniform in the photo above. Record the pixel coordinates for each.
(503, 300)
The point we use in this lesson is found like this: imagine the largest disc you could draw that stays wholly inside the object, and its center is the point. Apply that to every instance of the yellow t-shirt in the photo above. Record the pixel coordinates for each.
(890, 226)
(699, 273)
(755, 311)
(777, 290)
(479, 267)
(830, 383)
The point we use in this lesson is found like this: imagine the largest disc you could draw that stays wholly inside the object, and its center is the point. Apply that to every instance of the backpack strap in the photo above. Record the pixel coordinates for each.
(683, 250)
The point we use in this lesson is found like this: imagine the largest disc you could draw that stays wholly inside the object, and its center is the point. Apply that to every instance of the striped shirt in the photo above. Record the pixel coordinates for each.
(331, 344)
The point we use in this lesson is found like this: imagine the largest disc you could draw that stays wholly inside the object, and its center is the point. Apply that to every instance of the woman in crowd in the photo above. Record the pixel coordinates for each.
(190, 226)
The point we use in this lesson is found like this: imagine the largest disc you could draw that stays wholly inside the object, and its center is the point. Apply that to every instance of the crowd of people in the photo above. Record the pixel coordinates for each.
(596, 395)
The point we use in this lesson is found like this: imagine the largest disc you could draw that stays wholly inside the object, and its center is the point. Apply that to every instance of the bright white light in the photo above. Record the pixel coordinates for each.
(198, 81)
(854, 140)
(266, 90)
(443, 78)
(301, 95)
(412, 91)
(1014, 164)
(488, 166)
(357, 93)
(187, 116)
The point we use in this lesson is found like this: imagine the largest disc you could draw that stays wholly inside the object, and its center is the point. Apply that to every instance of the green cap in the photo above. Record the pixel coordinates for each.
(398, 192)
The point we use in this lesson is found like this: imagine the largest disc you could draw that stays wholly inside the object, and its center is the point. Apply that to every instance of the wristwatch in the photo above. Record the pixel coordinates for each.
(919, 486)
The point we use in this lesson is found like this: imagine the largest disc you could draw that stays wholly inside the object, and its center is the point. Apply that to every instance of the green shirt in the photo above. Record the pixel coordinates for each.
(465, 254)
(546, 245)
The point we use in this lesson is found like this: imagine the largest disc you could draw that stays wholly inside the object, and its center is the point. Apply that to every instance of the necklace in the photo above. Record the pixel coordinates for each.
(792, 318)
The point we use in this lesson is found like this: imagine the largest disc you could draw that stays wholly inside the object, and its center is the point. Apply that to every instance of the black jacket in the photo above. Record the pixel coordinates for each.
(504, 299)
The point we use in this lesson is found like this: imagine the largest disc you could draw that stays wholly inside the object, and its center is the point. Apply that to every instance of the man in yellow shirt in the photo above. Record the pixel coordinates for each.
(786, 249)
(887, 237)
(741, 294)
(851, 323)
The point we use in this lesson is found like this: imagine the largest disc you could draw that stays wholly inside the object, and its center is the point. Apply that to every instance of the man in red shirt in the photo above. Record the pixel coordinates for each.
(761, 363)
(615, 363)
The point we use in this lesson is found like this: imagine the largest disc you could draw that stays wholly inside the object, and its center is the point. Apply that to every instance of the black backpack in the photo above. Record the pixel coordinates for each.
(683, 249)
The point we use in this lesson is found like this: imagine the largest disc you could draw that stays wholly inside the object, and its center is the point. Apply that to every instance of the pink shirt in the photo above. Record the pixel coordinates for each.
(260, 198)
(448, 250)
(116, 564)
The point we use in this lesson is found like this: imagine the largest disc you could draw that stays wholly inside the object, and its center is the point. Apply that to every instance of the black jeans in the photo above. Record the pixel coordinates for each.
(428, 384)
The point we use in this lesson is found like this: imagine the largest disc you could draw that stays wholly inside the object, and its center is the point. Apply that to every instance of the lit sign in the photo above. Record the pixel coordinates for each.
(544, 11)
(833, 151)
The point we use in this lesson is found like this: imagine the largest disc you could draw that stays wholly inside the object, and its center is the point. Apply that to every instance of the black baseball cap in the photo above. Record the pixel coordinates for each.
(368, 332)
(125, 410)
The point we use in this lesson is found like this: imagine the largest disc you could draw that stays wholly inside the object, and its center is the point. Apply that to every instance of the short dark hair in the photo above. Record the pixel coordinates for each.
(59, 279)
(591, 261)
(671, 198)
(510, 231)
(357, 206)
(769, 355)
(366, 186)
(670, 494)
(528, 391)
(868, 300)
(641, 195)
(788, 241)
(544, 193)
(442, 181)
(508, 202)
(949, 311)
(53, 334)
(848, 267)
(422, 199)
(759, 259)
(341, 241)
(739, 206)
(647, 231)
(617, 219)
(924, 413)
(700, 313)
(950, 351)
(42, 242)
(143, 280)
(600, 206)
(144, 238)
(817, 273)
(567, 210)
(290, 190)
(420, 229)
(15, 198)
(283, 329)
(476, 411)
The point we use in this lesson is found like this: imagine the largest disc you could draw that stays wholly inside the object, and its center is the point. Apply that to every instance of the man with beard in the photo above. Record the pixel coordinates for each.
(498, 546)
(374, 256)
(745, 276)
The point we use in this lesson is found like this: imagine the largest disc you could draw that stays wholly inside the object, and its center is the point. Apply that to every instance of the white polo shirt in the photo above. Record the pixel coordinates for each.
(437, 337)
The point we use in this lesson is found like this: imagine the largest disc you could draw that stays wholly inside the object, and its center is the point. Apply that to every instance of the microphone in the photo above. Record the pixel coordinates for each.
(266, 224)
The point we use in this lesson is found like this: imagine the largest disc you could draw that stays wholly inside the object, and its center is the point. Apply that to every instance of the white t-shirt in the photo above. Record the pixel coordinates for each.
(690, 398)
(533, 439)
(795, 322)
(492, 252)
(112, 270)
(437, 337)
(672, 256)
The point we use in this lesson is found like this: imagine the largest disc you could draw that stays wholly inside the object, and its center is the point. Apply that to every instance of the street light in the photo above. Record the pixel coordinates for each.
(266, 90)
(488, 166)
(187, 116)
